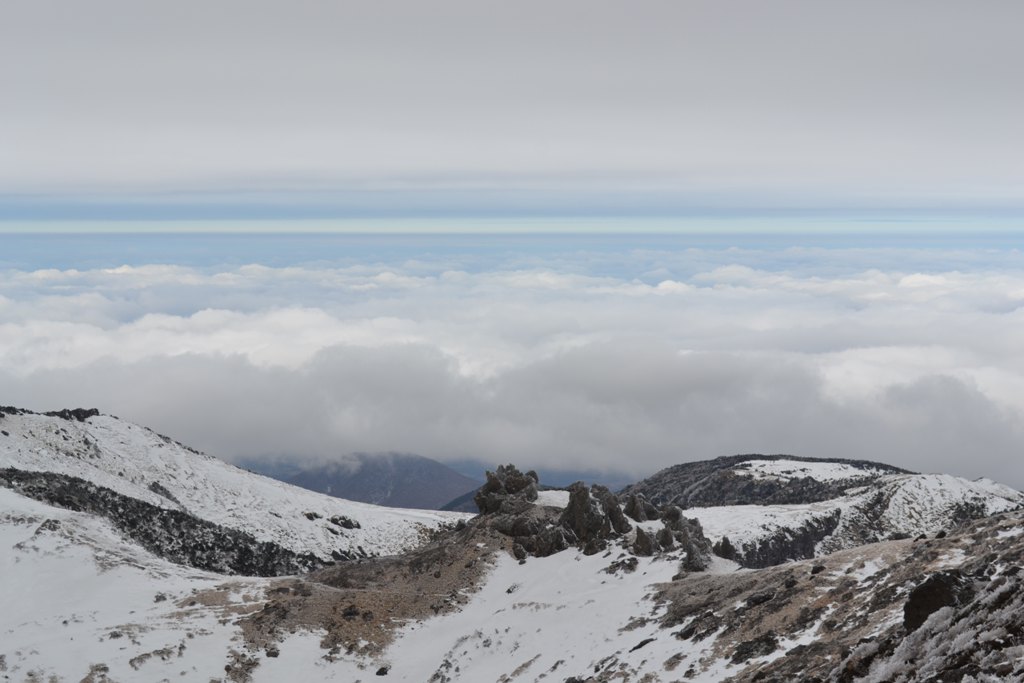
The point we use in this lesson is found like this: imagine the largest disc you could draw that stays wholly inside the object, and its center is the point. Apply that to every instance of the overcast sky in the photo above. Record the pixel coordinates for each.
(242, 109)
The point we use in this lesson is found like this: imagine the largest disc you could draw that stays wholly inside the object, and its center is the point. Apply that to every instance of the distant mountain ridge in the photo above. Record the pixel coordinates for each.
(401, 480)
(723, 481)
(763, 510)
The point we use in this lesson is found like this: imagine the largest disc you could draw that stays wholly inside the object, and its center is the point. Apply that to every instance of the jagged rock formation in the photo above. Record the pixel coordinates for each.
(637, 507)
(506, 490)
(591, 520)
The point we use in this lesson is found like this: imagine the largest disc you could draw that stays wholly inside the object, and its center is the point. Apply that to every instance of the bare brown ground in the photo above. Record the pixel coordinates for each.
(359, 604)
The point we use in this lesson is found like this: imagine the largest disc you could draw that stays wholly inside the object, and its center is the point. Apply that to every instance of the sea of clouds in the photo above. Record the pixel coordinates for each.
(626, 361)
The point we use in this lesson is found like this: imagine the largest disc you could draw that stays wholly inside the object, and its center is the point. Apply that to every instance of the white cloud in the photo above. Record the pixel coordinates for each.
(539, 363)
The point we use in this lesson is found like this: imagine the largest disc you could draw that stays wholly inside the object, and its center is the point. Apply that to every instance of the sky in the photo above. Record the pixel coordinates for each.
(189, 110)
(596, 234)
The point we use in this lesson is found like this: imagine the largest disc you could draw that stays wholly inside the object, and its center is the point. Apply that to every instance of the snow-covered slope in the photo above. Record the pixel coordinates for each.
(830, 504)
(138, 463)
(548, 586)
(77, 598)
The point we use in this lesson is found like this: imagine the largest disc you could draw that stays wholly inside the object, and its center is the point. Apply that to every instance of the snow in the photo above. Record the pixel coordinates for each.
(915, 504)
(566, 600)
(870, 568)
(555, 499)
(129, 459)
(749, 523)
(922, 503)
(75, 594)
(794, 469)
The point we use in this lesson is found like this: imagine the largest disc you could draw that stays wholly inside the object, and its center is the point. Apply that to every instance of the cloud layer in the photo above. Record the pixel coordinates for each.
(549, 359)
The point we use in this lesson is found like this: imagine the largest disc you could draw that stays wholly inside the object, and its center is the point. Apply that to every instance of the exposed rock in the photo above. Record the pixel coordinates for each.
(787, 544)
(591, 518)
(942, 589)
(551, 540)
(724, 549)
(643, 545)
(505, 490)
(74, 414)
(639, 508)
(611, 508)
(698, 556)
(345, 522)
(758, 647)
(584, 515)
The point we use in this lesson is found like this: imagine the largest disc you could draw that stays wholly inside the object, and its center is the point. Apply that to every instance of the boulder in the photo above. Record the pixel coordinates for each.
(644, 544)
(506, 490)
(639, 508)
(584, 515)
(942, 589)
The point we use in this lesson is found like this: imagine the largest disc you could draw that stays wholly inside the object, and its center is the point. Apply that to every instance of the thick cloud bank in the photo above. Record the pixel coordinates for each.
(546, 361)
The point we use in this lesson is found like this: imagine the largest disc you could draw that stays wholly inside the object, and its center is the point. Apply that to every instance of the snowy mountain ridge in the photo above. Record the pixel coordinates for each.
(824, 505)
(139, 464)
(567, 586)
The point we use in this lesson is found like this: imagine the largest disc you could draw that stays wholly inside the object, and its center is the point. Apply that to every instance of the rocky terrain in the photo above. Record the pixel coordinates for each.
(764, 510)
(119, 564)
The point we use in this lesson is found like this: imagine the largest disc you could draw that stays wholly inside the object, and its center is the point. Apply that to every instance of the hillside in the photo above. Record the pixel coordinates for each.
(96, 463)
(576, 585)
(777, 508)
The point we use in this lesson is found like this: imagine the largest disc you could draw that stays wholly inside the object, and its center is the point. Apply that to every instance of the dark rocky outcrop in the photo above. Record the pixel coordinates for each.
(698, 555)
(644, 544)
(786, 544)
(725, 549)
(593, 515)
(637, 507)
(506, 490)
(172, 534)
(591, 520)
(942, 589)
(74, 414)
(758, 647)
